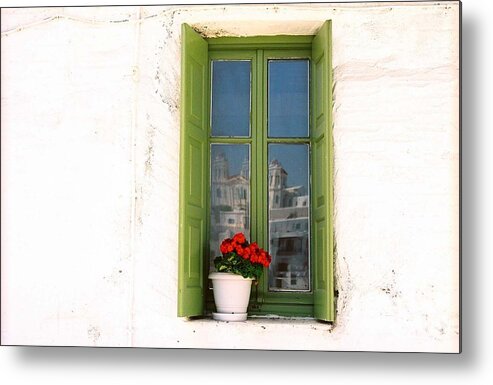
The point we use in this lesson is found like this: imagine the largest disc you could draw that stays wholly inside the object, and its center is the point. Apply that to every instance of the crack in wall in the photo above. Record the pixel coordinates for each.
(151, 133)
(94, 22)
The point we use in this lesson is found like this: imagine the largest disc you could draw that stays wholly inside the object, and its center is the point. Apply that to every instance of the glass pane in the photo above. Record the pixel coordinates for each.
(231, 98)
(289, 212)
(288, 98)
(230, 194)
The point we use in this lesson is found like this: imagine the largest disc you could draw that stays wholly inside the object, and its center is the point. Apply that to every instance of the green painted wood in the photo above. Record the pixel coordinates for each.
(278, 302)
(263, 301)
(259, 188)
(289, 140)
(235, 54)
(293, 309)
(322, 175)
(260, 42)
(194, 171)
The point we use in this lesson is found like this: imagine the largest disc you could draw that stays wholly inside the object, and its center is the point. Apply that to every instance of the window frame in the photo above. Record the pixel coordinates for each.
(259, 50)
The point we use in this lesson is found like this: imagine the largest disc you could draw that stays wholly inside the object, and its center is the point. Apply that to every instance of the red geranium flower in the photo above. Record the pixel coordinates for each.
(239, 238)
(242, 257)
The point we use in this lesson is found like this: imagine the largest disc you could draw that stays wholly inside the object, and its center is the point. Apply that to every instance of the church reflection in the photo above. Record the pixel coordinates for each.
(288, 232)
(288, 213)
(229, 195)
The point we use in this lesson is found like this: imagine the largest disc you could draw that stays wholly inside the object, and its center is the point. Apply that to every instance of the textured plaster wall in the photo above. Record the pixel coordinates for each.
(90, 152)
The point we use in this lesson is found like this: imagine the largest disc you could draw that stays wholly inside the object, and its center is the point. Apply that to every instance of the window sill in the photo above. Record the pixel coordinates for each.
(257, 332)
(272, 321)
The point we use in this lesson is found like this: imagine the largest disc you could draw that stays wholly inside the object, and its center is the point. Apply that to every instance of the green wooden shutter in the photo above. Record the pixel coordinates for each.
(194, 171)
(322, 176)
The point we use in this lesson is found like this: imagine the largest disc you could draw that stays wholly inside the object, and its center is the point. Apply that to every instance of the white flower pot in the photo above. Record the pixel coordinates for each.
(231, 295)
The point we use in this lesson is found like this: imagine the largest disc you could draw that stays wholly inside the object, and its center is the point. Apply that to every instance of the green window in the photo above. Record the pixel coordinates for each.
(256, 157)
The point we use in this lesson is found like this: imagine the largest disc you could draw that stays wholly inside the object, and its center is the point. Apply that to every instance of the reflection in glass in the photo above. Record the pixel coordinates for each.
(230, 98)
(229, 194)
(289, 217)
(288, 98)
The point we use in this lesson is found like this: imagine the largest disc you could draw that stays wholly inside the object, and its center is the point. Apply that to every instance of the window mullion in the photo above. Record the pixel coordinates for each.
(259, 151)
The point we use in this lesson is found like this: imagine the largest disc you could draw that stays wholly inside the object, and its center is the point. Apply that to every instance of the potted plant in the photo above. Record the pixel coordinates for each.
(240, 264)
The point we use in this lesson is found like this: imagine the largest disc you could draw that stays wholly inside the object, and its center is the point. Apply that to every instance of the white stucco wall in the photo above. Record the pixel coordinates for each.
(90, 151)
